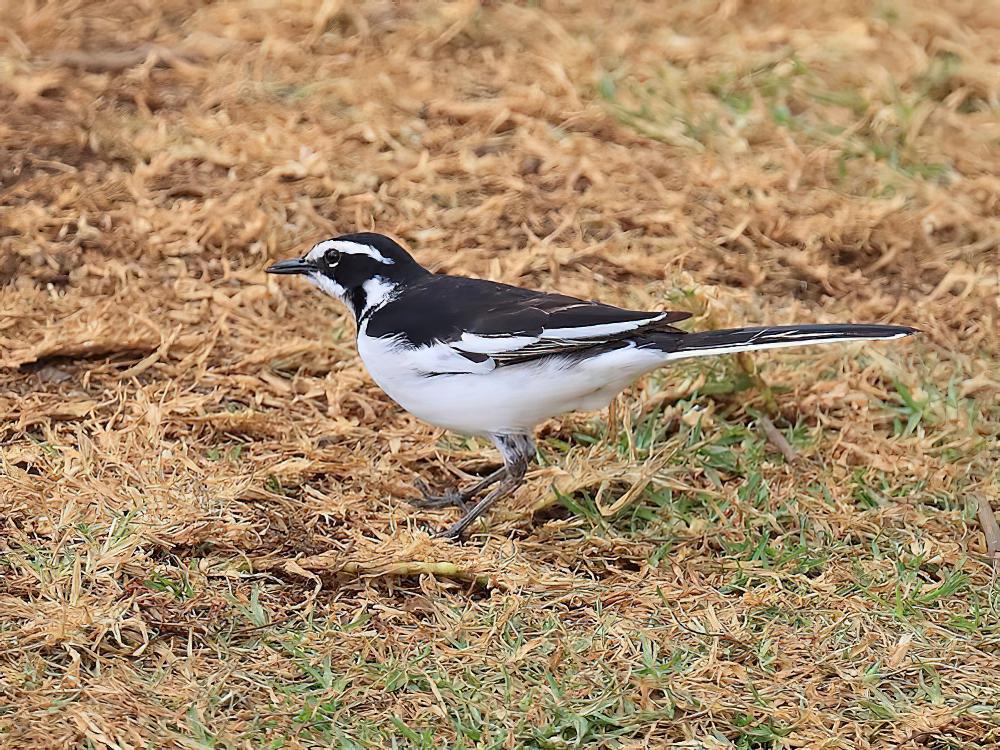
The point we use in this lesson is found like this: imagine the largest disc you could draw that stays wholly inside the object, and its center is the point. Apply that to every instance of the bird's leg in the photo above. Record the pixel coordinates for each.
(505, 487)
(518, 450)
(454, 496)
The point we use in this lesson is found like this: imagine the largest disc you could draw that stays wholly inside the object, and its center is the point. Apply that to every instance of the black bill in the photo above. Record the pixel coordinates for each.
(292, 265)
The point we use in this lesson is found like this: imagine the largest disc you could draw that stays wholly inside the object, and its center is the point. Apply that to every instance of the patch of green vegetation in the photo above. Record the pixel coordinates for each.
(50, 450)
(180, 588)
(254, 610)
(671, 107)
(232, 452)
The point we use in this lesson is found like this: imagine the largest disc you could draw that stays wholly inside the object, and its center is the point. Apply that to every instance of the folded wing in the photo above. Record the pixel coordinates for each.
(551, 324)
(489, 325)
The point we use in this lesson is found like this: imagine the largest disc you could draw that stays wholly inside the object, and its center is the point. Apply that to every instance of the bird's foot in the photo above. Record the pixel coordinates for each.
(452, 533)
(450, 498)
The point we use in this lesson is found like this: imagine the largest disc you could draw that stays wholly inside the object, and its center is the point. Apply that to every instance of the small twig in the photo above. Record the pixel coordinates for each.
(273, 624)
(778, 440)
(334, 564)
(118, 60)
(705, 633)
(991, 529)
(147, 362)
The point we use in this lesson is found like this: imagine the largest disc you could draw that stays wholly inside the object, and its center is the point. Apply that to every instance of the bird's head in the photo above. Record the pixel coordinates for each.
(363, 270)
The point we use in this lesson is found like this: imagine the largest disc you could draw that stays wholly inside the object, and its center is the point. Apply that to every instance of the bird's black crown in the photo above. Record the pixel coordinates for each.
(343, 267)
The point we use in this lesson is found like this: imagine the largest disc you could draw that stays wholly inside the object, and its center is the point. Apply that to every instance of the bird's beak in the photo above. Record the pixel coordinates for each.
(292, 265)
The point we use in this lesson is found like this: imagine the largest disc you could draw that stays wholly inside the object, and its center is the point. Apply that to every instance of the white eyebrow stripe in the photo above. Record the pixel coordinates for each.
(347, 248)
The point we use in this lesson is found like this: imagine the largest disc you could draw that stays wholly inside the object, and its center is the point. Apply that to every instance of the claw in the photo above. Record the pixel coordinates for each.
(452, 533)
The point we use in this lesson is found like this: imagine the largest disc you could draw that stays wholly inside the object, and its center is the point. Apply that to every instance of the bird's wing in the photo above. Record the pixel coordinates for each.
(496, 324)
(552, 324)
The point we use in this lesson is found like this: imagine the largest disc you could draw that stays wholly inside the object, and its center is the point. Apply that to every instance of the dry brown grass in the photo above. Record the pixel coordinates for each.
(204, 539)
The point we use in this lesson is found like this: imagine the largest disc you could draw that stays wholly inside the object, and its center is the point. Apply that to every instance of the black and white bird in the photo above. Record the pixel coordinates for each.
(483, 358)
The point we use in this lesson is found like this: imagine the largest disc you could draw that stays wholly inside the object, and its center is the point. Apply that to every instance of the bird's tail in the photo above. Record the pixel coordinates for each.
(732, 340)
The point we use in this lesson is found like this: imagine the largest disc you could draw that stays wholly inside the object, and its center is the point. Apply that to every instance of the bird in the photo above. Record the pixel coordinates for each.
(482, 358)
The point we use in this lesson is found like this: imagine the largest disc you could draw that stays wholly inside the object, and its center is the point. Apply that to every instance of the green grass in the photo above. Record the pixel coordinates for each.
(710, 113)
(834, 566)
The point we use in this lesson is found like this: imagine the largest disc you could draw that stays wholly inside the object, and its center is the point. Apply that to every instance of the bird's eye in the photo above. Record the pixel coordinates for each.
(330, 259)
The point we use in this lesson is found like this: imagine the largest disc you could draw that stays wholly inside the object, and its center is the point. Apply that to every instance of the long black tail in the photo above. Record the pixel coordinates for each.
(732, 340)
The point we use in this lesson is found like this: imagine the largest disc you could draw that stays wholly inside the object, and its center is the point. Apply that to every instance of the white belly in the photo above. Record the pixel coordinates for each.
(479, 399)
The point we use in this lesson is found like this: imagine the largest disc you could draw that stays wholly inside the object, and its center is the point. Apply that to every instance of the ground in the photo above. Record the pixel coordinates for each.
(205, 539)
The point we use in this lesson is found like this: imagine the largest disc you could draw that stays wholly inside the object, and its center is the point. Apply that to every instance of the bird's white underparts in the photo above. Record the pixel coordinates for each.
(483, 358)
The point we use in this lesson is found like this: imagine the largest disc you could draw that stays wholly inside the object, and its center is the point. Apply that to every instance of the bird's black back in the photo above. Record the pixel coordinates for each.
(442, 308)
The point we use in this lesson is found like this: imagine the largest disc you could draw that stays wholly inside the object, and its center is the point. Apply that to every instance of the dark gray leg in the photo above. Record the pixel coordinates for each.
(518, 450)
(451, 496)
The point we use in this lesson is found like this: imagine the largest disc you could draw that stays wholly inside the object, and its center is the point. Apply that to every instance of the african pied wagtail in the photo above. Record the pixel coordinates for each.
(483, 358)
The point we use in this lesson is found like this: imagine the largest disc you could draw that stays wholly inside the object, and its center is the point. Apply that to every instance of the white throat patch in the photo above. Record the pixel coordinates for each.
(328, 285)
(378, 292)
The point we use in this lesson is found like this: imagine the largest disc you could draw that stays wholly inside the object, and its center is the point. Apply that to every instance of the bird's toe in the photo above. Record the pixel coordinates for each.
(450, 498)
(452, 533)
